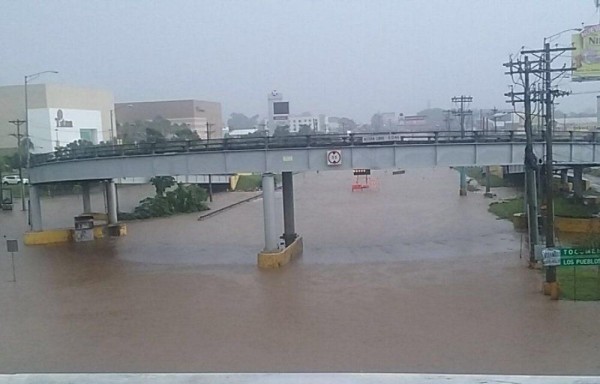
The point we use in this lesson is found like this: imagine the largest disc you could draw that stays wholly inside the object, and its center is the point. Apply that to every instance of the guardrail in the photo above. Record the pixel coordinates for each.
(299, 141)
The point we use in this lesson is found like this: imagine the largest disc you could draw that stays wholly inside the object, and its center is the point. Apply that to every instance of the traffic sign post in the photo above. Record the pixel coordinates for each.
(12, 246)
(334, 157)
(572, 257)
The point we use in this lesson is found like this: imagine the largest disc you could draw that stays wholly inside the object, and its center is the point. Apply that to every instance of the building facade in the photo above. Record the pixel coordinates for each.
(278, 111)
(58, 115)
(203, 117)
(297, 122)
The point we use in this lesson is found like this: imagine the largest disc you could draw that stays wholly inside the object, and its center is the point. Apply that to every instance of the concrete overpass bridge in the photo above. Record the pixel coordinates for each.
(289, 154)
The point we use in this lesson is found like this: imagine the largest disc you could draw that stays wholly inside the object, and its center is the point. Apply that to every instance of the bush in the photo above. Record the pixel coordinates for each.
(184, 199)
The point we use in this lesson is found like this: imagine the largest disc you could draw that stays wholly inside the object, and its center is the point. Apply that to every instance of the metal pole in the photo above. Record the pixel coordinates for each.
(210, 189)
(488, 187)
(87, 201)
(463, 172)
(35, 208)
(530, 166)
(18, 125)
(268, 187)
(112, 129)
(550, 271)
(14, 275)
(289, 230)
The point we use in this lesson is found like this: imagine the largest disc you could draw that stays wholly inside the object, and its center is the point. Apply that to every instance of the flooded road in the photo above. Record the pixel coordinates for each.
(409, 278)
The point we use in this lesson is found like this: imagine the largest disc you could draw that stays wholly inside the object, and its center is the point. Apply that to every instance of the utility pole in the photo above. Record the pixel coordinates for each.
(18, 123)
(210, 190)
(551, 286)
(530, 160)
(462, 102)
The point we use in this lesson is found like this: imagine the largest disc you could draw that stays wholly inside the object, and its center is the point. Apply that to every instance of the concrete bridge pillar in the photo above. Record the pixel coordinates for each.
(289, 225)
(463, 181)
(87, 201)
(35, 210)
(111, 202)
(578, 181)
(564, 177)
(268, 187)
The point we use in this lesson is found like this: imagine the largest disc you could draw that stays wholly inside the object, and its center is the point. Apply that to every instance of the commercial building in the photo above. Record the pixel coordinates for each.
(203, 117)
(297, 122)
(278, 111)
(58, 115)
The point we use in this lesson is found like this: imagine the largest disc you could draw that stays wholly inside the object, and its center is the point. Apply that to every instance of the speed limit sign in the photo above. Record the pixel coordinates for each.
(334, 157)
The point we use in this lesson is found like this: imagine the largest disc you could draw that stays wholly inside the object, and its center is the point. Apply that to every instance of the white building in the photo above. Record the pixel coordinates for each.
(297, 122)
(58, 115)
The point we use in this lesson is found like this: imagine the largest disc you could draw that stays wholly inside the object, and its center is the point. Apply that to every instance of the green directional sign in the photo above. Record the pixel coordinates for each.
(572, 257)
(580, 252)
(579, 261)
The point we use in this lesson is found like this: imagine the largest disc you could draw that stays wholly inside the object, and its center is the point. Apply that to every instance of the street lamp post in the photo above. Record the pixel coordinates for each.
(27, 79)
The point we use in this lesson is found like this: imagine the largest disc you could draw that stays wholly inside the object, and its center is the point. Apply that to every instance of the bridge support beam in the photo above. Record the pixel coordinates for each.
(289, 225)
(463, 181)
(268, 187)
(578, 181)
(564, 177)
(111, 202)
(35, 210)
(87, 201)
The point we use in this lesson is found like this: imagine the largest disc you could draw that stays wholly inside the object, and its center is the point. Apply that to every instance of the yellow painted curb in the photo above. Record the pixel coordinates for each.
(51, 236)
(65, 235)
(117, 230)
(272, 260)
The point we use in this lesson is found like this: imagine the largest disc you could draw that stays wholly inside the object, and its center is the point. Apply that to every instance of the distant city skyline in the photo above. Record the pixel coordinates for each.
(335, 57)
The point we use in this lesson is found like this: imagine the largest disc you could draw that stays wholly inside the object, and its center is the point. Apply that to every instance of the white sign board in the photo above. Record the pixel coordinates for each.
(334, 157)
(551, 257)
(382, 138)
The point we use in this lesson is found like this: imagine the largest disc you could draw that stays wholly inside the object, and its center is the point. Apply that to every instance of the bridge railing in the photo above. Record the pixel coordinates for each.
(298, 141)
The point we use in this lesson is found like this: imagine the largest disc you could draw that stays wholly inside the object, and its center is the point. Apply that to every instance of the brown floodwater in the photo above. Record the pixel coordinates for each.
(409, 278)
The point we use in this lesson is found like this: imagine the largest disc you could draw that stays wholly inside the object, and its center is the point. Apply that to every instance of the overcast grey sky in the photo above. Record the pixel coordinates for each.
(340, 57)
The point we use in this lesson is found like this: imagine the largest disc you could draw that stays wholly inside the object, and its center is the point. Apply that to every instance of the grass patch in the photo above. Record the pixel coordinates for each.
(579, 283)
(248, 183)
(478, 174)
(507, 208)
(563, 207)
(592, 171)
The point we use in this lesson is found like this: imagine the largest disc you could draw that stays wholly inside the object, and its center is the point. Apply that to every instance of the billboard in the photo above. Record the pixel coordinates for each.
(281, 108)
(586, 56)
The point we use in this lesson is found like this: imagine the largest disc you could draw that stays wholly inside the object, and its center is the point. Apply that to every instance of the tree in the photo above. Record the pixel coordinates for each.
(186, 134)
(153, 135)
(162, 183)
(347, 124)
(241, 121)
(155, 130)
(377, 122)
(305, 130)
(282, 130)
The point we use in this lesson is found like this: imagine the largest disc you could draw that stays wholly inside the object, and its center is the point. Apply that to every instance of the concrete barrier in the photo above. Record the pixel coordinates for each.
(65, 235)
(273, 260)
(575, 225)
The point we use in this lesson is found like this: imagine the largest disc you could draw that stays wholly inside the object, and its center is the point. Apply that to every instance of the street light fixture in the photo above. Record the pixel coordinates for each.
(549, 38)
